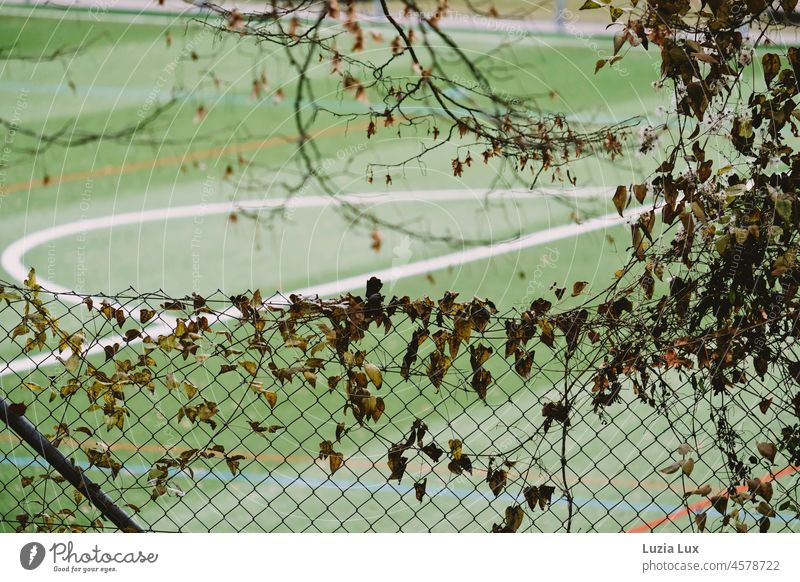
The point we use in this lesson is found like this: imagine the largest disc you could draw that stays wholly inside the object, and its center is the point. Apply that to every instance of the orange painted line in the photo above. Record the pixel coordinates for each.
(262, 457)
(308, 460)
(168, 160)
(158, 449)
(705, 503)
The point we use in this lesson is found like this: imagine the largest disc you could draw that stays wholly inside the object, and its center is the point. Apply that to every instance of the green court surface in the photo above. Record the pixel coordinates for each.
(123, 71)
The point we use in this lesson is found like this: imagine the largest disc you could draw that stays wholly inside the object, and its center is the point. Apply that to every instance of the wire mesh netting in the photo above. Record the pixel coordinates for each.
(294, 414)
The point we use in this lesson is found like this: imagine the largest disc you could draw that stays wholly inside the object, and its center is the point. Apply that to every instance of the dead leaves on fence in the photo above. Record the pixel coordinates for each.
(272, 352)
(335, 459)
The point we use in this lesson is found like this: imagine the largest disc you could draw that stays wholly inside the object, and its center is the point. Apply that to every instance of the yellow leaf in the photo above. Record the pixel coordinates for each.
(21, 329)
(251, 367)
(374, 374)
(190, 389)
(336, 460)
(30, 282)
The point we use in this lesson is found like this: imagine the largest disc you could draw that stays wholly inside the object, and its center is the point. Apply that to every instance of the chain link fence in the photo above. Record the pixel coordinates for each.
(262, 414)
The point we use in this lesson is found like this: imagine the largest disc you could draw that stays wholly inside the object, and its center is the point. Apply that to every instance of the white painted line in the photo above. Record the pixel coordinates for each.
(144, 12)
(12, 257)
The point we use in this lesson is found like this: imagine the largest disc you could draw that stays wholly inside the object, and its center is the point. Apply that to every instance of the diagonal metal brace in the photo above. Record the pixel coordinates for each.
(39, 443)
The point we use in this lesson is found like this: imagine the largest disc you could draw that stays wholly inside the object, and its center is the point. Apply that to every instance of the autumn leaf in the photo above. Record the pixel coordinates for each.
(513, 520)
(374, 374)
(377, 241)
(434, 452)
(771, 63)
(21, 329)
(600, 64)
(700, 521)
(497, 481)
(619, 40)
(767, 450)
(765, 491)
(336, 461)
(620, 198)
(531, 494)
(481, 379)
(703, 490)
(233, 463)
(720, 503)
(190, 389)
(670, 469)
(397, 463)
(455, 448)
(578, 287)
(271, 398)
(697, 97)
(419, 489)
(765, 509)
(523, 363)
(603, 62)
(545, 495)
(251, 367)
(438, 364)
(639, 192)
(373, 407)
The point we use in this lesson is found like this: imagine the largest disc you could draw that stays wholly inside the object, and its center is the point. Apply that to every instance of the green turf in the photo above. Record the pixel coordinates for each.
(113, 79)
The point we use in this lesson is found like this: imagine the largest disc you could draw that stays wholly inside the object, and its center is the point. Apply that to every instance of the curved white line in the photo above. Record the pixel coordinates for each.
(11, 259)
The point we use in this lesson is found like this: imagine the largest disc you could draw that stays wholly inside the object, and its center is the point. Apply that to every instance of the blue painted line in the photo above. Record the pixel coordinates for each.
(257, 478)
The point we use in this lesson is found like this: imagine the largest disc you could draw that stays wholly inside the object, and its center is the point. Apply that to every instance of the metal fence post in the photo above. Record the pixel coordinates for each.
(39, 443)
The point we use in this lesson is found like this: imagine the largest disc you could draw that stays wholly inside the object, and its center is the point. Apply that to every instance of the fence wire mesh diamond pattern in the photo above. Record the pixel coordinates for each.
(289, 414)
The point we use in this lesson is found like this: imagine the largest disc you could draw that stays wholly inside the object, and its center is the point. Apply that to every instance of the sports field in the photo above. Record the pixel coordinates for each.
(164, 211)
(125, 69)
